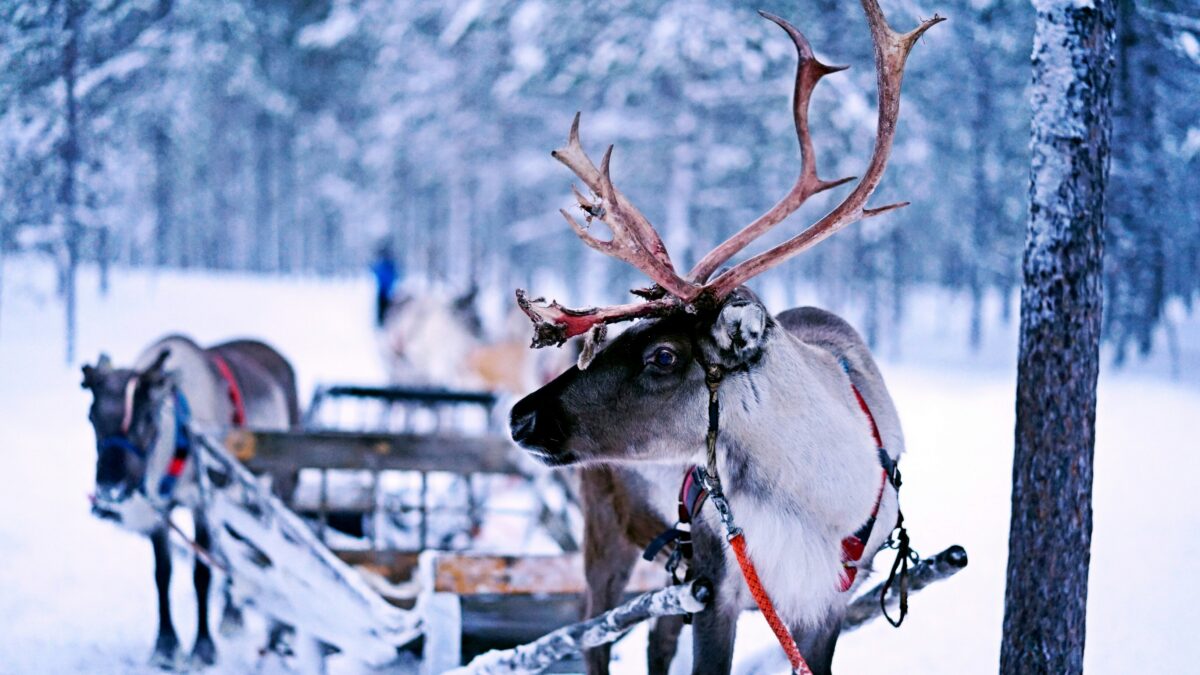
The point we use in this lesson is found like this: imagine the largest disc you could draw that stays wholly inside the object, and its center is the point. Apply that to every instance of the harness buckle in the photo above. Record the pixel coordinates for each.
(673, 566)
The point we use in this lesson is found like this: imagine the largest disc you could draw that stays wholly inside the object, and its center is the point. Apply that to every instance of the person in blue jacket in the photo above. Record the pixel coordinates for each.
(387, 274)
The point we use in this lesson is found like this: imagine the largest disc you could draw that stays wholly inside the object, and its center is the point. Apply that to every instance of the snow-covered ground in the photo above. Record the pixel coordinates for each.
(77, 594)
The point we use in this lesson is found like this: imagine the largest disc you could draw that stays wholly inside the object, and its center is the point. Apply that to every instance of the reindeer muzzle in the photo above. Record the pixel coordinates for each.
(541, 429)
(105, 513)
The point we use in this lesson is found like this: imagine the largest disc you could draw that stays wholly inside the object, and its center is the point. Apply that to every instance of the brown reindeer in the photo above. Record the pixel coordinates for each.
(788, 414)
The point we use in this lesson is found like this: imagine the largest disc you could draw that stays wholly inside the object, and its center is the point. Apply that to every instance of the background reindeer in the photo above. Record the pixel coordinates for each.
(435, 340)
(143, 417)
(426, 338)
(808, 435)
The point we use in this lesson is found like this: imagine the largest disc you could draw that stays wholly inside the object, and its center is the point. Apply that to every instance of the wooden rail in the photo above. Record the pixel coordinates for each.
(473, 602)
(429, 398)
(468, 574)
(286, 451)
(429, 395)
(482, 574)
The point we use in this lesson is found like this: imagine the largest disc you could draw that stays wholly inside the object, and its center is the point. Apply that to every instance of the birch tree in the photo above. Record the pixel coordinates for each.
(1045, 604)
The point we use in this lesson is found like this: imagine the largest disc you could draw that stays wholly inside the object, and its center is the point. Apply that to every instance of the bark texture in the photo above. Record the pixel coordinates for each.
(1050, 536)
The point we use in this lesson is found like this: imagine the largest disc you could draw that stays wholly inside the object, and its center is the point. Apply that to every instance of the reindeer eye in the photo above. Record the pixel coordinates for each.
(663, 357)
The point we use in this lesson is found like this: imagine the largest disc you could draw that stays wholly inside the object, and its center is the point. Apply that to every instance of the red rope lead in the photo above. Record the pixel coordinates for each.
(738, 541)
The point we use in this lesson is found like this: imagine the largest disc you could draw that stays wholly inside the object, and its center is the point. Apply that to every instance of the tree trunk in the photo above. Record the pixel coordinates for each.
(70, 157)
(1135, 274)
(223, 159)
(292, 241)
(983, 220)
(3, 254)
(874, 290)
(680, 195)
(898, 287)
(103, 257)
(1045, 604)
(457, 237)
(164, 207)
(266, 245)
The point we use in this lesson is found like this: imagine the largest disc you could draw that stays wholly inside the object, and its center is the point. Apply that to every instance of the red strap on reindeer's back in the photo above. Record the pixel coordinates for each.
(862, 403)
(235, 392)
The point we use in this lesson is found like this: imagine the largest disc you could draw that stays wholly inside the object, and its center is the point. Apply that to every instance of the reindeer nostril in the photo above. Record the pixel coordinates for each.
(522, 426)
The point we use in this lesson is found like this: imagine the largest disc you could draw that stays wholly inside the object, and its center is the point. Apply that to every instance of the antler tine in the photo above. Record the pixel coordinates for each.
(891, 52)
(809, 71)
(634, 239)
(553, 324)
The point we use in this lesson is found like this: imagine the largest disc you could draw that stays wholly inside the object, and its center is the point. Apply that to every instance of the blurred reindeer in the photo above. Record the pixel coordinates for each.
(431, 339)
(144, 418)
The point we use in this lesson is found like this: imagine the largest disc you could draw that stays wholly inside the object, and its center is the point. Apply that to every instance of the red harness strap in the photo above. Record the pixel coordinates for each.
(235, 392)
(855, 544)
(799, 666)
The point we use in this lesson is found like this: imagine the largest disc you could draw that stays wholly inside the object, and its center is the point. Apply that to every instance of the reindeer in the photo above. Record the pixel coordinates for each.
(144, 417)
(799, 444)
(426, 338)
(438, 341)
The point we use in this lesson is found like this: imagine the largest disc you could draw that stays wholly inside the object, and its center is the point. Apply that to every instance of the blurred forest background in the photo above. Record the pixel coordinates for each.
(292, 137)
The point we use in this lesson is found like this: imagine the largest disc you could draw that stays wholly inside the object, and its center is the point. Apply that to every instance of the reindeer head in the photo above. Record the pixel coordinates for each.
(644, 395)
(124, 415)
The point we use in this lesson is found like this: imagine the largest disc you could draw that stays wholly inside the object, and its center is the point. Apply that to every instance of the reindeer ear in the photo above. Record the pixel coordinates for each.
(91, 374)
(739, 332)
(155, 374)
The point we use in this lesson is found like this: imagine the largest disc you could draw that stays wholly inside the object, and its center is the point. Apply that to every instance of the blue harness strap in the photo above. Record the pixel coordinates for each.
(179, 455)
(122, 442)
(183, 447)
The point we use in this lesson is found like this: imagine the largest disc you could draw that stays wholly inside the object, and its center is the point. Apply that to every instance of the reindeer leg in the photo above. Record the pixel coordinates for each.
(817, 644)
(607, 574)
(205, 651)
(608, 558)
(232, 621)
(166, 645)
(715, 628)
(664, 642)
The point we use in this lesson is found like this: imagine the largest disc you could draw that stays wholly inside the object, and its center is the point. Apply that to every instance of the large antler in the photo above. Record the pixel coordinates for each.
(891, 52)
(635, 241)
(809, 71)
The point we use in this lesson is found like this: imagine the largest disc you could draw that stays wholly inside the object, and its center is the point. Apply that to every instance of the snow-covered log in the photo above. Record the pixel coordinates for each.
(278, 565)
(866, 608)
(608, 627)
